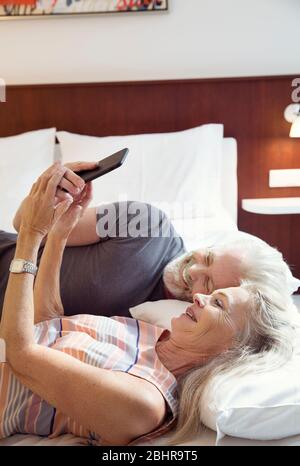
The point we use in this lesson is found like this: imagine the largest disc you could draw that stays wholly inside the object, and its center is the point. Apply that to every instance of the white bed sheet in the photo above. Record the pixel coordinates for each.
(209, 438)
(206, 438)
(36, 441)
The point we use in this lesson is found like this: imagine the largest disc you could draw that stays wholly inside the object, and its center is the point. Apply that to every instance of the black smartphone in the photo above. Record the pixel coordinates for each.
(105, 166)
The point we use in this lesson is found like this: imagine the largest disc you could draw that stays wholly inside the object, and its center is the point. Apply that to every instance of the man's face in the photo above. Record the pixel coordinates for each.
(202, 271)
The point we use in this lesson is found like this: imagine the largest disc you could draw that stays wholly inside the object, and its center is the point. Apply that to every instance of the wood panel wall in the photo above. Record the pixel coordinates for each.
(250, 108)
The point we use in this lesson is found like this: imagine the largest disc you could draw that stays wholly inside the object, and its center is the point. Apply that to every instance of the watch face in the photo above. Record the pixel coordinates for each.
(17, 266)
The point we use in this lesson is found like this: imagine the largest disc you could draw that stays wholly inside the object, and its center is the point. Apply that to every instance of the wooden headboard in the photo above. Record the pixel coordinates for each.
(251, 110)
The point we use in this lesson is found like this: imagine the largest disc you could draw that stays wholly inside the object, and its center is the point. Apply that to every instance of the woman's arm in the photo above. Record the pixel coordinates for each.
(47, 299)
(117, 406)
(18, 308)
(17, 321)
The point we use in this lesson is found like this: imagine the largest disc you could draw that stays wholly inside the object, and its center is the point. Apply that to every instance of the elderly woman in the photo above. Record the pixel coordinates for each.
(110, 380)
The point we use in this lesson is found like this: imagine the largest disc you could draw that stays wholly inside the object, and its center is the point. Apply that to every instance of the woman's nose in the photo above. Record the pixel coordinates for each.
(200, 299)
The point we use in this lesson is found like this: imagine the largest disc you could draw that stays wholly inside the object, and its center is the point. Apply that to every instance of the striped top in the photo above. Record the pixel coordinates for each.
(118, 343)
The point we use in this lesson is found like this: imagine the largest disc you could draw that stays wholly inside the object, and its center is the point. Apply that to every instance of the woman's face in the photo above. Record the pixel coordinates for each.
(210, 325)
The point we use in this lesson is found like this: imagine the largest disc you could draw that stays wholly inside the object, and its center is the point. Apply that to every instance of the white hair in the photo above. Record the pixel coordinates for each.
(265, 344)
(262, 264)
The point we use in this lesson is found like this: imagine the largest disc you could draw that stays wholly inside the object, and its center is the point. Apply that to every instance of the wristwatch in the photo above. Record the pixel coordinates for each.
(22, 266)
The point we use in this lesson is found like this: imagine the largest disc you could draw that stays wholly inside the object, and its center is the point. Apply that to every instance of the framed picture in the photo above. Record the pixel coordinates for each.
(51, 8)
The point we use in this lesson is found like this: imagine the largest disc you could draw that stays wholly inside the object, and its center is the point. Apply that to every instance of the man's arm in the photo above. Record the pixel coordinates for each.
(85, 231)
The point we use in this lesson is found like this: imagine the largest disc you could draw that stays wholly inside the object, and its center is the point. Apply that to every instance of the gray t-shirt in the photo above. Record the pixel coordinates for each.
(119, 272)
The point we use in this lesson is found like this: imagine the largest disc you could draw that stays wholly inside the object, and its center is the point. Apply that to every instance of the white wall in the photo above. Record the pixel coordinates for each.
(196, 38)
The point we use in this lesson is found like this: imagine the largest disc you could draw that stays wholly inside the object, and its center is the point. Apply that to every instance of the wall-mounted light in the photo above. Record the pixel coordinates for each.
(292, 115)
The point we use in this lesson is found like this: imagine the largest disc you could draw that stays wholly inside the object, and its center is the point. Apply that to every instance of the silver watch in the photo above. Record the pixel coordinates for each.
(22, 266)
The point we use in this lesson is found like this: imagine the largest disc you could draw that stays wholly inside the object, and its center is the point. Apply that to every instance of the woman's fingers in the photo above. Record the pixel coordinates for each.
(71, 181)
(70, 178)
(61, 195)
(61, 208)
(33, 188)
(51, 186)
(43, 180)
(88, 194)
(66, 217)
(89, 190)
(73, 213)
(70, 187)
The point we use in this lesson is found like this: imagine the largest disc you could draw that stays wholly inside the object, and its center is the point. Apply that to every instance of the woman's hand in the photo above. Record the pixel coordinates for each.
(69, 219)
(71, 182)
(40, 210)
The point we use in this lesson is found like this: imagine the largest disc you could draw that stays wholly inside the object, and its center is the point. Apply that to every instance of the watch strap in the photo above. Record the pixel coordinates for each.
(23, 266)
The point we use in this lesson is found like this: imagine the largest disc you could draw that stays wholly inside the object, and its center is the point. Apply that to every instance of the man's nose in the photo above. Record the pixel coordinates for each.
(200, 299)
(195, 271)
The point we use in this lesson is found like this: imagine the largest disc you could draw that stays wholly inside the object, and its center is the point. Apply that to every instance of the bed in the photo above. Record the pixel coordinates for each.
(75, 108)
(209, 228)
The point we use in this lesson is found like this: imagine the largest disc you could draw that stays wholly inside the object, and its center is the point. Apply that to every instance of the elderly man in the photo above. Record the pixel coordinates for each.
(122, 254)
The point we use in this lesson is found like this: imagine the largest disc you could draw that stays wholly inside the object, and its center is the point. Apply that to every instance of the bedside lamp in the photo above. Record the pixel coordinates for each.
(292, 115)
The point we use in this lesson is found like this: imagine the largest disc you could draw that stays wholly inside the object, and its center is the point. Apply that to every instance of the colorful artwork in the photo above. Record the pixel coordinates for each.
(22, 8)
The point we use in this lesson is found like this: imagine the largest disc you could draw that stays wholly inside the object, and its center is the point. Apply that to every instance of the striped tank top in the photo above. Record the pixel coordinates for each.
(117, 343)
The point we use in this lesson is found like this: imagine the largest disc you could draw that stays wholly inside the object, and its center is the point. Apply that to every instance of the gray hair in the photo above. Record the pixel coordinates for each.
(265, 344)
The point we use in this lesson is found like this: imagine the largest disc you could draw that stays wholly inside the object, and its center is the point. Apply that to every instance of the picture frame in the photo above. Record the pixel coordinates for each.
(18, 9)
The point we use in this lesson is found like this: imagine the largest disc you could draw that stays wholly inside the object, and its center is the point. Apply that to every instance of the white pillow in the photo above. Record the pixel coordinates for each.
(260, 408)
(23, 158)
(180, 169)
(160, 312)
(252, 406)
